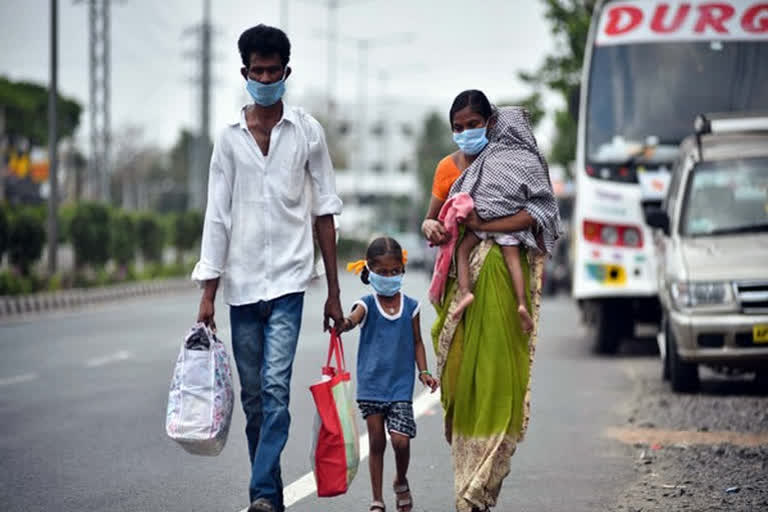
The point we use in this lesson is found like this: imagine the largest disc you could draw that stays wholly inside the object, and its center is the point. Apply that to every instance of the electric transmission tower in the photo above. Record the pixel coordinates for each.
(99, 98)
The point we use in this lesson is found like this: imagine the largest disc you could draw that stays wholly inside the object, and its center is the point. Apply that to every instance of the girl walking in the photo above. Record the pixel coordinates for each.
(390, 345)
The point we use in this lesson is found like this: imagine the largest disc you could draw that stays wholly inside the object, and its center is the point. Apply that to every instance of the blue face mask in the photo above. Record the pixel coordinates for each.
(471, 141)
(387, 286)
(266, 95)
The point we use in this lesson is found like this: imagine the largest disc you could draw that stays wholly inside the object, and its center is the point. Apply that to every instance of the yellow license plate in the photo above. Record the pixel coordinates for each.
(760, 333)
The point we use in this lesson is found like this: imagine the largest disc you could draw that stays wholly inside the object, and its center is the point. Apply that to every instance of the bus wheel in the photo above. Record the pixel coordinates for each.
(607, 327)
(683, 376)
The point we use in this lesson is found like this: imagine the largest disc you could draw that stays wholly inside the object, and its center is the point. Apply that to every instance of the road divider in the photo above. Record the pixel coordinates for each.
(12, 306)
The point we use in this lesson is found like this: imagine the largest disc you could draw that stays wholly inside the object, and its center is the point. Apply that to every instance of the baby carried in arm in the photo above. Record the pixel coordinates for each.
(509, 175)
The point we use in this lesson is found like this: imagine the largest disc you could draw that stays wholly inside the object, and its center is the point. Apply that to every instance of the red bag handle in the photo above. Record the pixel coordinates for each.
(335, 347)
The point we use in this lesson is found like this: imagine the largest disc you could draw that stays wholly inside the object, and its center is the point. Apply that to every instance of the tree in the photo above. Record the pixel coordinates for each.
(561, 72)
(435, 142)
(532, 104)
(26, 111)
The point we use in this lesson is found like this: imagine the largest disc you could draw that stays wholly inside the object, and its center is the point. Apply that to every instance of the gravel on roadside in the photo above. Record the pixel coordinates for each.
(698, 477)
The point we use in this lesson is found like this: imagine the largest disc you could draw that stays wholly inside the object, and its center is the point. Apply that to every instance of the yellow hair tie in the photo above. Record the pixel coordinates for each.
(356, 266)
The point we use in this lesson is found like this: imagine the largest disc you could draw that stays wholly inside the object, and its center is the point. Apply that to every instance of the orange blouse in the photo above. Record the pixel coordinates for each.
(446, 173)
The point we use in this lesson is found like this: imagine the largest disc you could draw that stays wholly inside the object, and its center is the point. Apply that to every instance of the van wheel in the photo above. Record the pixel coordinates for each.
(683, 376)
(761, 380)
(665, 359)
(606, 327)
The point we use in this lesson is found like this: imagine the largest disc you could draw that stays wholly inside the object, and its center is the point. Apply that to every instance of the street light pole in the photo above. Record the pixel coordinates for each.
(284, 14)
(362, 47)
(333, 44)
(53, 198)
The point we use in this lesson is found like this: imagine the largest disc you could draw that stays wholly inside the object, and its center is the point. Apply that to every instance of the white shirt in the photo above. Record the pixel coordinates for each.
(257, 235)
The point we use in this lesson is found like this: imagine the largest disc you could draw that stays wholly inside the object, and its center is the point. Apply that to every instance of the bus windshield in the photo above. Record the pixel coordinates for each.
(648, 94)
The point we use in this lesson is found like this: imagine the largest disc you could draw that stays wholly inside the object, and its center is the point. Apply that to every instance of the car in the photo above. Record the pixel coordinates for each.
(711, 234)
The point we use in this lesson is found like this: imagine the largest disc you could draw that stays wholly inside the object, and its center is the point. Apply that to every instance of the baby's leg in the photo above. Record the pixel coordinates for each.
(512, 258)
(468, 243)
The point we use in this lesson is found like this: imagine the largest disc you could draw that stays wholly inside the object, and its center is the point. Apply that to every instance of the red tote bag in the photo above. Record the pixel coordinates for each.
(335, 453)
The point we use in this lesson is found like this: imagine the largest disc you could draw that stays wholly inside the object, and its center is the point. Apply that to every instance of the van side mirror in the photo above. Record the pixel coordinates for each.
(574, 102)
(658, 218)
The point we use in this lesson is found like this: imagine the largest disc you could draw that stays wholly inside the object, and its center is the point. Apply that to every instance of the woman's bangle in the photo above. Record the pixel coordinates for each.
(425, 372)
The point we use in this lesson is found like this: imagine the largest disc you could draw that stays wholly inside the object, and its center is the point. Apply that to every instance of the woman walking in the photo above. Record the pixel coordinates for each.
(484, 355)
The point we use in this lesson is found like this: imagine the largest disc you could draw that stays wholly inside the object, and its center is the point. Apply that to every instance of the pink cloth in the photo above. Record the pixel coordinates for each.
(453, 212)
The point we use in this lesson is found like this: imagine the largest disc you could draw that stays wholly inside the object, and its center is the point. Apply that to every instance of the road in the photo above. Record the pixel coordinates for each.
(83, 396)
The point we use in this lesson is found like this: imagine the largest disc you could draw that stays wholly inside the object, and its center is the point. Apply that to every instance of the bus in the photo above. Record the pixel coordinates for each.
(650, 68)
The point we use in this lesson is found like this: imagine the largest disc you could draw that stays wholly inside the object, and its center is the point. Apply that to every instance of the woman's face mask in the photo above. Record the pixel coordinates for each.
(471, 141)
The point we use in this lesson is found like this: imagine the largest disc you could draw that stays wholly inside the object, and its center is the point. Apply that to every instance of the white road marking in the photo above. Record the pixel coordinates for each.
(95, 362)
(306, 485)
(26, 377)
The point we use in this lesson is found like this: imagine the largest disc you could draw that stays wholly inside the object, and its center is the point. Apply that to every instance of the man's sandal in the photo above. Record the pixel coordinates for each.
(377, 505)
(404, 504)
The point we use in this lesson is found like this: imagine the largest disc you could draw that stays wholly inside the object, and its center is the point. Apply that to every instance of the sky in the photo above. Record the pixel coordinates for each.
(451, 45)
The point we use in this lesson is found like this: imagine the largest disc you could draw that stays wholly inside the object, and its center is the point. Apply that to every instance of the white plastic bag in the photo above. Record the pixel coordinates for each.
(201, 397)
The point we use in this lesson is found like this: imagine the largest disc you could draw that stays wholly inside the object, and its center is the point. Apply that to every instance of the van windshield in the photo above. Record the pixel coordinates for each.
(726, 197)
(650, 93)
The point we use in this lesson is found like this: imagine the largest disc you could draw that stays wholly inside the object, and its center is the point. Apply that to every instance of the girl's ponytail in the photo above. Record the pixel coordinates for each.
(364, 276)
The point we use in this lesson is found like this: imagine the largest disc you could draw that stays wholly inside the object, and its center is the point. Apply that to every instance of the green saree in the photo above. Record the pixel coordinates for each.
(484, 360)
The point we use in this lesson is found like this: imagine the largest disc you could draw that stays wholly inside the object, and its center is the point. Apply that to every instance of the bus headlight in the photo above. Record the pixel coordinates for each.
(687, 295)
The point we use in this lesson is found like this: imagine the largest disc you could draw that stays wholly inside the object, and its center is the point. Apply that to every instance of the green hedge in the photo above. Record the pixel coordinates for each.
(124, 238)
(98, 234)
(91, 234)
(26, 239)
(151, 238)
(4, 230)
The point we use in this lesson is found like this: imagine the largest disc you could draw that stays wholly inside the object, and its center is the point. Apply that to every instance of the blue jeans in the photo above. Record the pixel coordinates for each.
(264, 338)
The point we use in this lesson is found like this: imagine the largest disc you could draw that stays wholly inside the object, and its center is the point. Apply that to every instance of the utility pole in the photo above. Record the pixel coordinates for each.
(205, 104)
(198, 170)
(384, 138)
(53, 86)
(106, 163)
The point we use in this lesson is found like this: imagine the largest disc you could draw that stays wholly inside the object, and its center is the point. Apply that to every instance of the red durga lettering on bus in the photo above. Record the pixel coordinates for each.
(712, 17)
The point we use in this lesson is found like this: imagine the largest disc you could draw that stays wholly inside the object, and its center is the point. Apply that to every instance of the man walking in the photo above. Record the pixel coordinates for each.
(270, 175)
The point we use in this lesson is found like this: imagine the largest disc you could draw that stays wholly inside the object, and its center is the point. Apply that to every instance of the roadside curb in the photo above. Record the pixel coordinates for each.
(13, 305)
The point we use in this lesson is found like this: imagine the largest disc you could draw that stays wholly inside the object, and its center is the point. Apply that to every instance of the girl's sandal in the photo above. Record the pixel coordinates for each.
(377, 506)
(404, 504)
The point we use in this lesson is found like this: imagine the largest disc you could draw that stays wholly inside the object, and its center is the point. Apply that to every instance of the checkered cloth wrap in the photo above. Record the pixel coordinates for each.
(511, 174)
